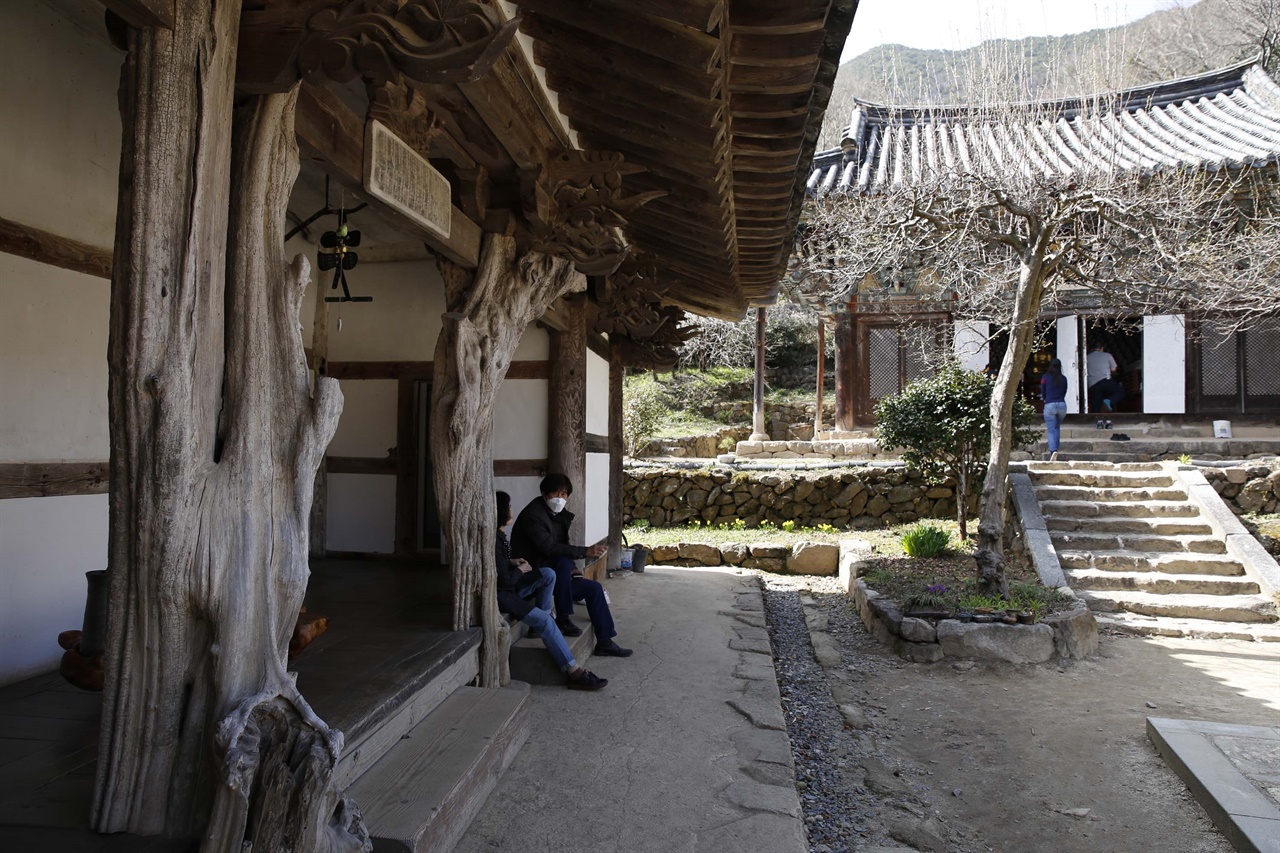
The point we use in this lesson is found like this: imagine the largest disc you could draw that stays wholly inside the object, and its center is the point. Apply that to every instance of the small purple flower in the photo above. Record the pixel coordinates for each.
(936, 589)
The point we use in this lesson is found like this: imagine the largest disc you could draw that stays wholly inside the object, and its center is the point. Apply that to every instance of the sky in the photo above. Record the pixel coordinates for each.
(956, 24)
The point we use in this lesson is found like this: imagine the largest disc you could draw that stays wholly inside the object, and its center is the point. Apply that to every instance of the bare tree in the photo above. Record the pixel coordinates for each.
(1005, 221)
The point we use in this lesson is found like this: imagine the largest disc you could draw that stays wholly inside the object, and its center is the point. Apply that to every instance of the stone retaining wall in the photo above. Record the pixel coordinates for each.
(862, 498)
(852, 448)
(805, 558)
(1255, 488)
(694, 446)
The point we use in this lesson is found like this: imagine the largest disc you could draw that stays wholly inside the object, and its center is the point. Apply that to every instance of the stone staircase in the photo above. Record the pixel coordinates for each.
(1139, 550)
(1154, 439)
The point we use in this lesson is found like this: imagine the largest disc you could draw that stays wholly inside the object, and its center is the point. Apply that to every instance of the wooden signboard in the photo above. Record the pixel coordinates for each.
(402, 178)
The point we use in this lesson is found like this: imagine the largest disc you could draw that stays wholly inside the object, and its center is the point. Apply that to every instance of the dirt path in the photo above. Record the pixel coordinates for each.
(1004, 754)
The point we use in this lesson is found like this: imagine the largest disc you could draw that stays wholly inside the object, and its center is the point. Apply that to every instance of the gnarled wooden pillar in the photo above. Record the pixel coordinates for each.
(488, 312)
(216, 437)
(567, 406)
(759, 430)
(616, 452)
(843, 333)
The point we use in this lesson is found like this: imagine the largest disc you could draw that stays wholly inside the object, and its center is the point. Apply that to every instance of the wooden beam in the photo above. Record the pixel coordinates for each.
(330, 132)
(593, 443)
(360, 465)
(660, 38)
(567, 405)
(143, 13)
(598, 344)
(46, 248)
(616, 452)
(702, 15)
(421, 370)
(388, 253)
(52, 479)
(585, 82)
(519, 467)
(528, 370)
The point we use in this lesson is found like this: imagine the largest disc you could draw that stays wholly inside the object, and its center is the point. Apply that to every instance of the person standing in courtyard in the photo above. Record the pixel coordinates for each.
(541, 536)
(518, 582)
(1104, 391)
(1053, 390)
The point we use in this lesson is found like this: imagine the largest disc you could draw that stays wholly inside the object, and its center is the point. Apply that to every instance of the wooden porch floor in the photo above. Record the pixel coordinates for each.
(387, 636)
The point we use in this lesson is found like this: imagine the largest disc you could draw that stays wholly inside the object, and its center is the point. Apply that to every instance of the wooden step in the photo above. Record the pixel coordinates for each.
(532, 663)
(424, 793)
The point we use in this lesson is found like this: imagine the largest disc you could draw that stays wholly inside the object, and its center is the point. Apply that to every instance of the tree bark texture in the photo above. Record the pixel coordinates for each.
(995, 490)
(488, 313)
(617, 450)
(216, 436)
(567, 408)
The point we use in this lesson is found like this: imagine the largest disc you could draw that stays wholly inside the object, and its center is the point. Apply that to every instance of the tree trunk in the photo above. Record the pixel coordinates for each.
(487, 316)
(962, 498)
(1026, 307)
(216, 437)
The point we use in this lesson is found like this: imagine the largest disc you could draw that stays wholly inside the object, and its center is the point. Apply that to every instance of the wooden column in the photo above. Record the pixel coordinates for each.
(567, 406)
(758, 431)
(822, 367)
(843, 332)
(616, 451)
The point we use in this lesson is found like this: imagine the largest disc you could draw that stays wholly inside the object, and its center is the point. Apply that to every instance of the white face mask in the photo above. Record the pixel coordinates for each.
(557, 504)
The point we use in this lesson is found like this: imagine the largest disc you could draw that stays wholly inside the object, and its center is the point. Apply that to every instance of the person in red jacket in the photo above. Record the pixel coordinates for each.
(541, 536)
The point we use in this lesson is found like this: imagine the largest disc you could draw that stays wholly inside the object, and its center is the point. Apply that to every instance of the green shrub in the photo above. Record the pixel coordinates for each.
(925, 540)
(643, 411)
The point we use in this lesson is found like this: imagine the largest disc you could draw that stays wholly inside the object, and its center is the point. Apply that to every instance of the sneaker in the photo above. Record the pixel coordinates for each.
(1108, 426)
(612, 650)
(568, 628)
(1101, 425)
(1053, 457)
(586, 680)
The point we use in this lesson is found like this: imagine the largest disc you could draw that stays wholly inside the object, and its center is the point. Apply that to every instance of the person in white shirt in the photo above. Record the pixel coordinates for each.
(1104, 391)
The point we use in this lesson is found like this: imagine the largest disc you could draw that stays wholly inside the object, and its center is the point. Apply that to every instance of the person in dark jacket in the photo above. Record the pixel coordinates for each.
(517, 581)
(541, 536)
(1053, 390)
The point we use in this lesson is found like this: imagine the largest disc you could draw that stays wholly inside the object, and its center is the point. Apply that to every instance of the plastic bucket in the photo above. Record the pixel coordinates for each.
(1222, 429)
(628, 555)
(639, 558)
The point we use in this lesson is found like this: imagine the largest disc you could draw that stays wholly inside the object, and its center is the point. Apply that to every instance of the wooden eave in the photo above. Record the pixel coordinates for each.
(721, 101)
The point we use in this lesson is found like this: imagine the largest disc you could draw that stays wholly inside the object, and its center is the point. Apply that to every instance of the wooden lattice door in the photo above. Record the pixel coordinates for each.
(892, 353)
(1238, 371)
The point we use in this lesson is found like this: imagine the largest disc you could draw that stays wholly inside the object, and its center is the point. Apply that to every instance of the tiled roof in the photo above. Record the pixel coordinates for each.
(1228, 118)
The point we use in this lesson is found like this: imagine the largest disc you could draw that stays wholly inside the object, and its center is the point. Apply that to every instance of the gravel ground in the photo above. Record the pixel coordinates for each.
(964, 757)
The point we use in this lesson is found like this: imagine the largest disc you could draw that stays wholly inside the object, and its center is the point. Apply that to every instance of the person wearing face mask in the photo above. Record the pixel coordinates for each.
(517, 583)
(541, 536)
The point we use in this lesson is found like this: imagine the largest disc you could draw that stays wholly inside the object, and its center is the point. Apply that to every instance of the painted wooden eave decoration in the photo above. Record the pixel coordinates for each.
(721, 102)
(1224, 119)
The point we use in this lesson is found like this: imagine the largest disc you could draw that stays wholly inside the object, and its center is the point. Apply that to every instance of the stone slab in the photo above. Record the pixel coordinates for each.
(1244, 814)
(1011, 643)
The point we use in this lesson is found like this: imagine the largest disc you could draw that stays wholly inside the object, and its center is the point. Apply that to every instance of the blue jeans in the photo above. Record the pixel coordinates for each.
(551, 637)
(1054, 413)
(570, 589)
(539, 586)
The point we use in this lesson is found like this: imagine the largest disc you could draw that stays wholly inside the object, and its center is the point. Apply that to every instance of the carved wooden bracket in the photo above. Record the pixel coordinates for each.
(575, 208)
(426, 41)
(630, 301)
(402, 108)
(658, 353)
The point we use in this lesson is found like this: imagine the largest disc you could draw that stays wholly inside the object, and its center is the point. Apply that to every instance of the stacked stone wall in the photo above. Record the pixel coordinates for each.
(859, 498)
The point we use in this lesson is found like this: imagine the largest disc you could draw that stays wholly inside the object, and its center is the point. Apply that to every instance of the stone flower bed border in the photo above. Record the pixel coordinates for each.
(804, 558)
(1071, 634)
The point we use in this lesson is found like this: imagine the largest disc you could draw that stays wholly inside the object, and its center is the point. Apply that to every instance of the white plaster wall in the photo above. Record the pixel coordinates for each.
(362, 513)
(596, 524)
(597, 394)
(520, 419)
(521, 489)
(368, 423)
(535, 345)
(53, 363)
(46, 546)
(1164, 364)
(401, 324)
(61, 144)
(971, 347)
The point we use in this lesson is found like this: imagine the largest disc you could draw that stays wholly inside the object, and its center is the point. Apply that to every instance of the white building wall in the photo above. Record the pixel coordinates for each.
(596, 524)
(971, 344)
(1164, 364)
(1069, 354)
(61, 144)
(597, 394)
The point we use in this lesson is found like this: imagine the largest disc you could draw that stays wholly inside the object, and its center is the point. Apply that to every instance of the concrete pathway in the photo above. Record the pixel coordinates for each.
(686, 750)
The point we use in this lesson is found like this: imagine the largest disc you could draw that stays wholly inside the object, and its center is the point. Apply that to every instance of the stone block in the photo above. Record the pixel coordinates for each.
(887, 613)
(813, 558)
(733, 553)
(749, 448)
(902, 494)
(767, 550)
(800, 446)
(938, 492)
(664, 553)
(1236, 475)
(996, 641)
(918, 652)
(918, 630)
(1075, 632)
(706, 555)
(877, 506)
(774, 447)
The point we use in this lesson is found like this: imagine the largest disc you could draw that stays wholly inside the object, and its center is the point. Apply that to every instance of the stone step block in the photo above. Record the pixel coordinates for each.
(1138, 625)
(532, 664)
(1096, 509)
(1160, 583)
(1047, 493)
(1139, 561)
(1093, 465)
(1102, 479)
(1143, 526)
(1220, 608)
(425, 792)
(1137, 542)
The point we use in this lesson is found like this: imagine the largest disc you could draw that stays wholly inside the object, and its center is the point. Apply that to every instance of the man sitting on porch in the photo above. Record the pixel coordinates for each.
(517, 581)
(541, 536)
